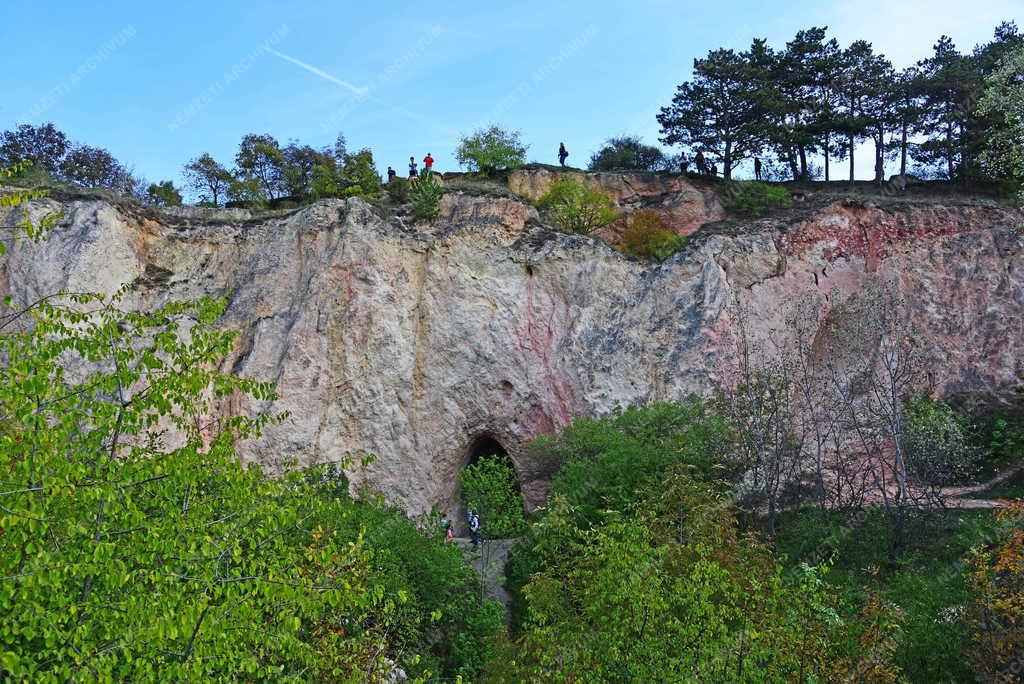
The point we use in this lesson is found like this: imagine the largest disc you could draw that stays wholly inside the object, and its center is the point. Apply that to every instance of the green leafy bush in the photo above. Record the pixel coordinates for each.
(753, 199)
(628, 153)
(648, 237)
(936, 443)
(576, 207)
(669, 589)
(129, 556)
(426, 192)
(489, 485)
(246, 192)
(491, 149)
(996, 616)
(398, 190)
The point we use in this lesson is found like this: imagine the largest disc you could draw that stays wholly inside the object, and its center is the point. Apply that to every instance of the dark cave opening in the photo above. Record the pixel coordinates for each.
(486, 446)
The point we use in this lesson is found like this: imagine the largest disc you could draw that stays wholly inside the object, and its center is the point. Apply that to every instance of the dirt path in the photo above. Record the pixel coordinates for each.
(972, 489)
(489, 562)
(955, 495)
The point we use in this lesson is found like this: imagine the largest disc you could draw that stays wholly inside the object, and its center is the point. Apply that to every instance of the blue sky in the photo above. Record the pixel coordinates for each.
(160, 83)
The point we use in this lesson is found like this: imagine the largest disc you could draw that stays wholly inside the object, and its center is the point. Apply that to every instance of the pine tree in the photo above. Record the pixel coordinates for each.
(720, 112)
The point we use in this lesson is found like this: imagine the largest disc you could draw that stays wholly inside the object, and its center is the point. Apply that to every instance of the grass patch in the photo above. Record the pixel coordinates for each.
(753, 199)
(927, 582)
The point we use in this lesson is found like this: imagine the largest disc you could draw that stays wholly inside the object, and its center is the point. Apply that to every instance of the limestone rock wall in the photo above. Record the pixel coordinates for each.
(411, 341)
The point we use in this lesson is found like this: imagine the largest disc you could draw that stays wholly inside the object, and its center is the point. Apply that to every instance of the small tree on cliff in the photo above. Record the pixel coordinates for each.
(208, 178)
(628, 153)
(491, 149)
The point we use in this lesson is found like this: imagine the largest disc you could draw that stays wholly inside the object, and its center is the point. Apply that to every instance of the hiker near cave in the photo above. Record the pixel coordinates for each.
(700, 163)
(428, 164)
(474, 528)
(757, 168)
(446, 528)
(412, 168)
(562, 153)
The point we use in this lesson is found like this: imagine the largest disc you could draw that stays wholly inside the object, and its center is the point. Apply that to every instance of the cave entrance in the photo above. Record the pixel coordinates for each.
(486, 446)
(490, 481)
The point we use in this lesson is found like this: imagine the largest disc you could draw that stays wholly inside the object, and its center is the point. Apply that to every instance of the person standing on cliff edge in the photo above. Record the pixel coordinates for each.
(412, 168)
(562, 153)
(428, 165)
(757, 168)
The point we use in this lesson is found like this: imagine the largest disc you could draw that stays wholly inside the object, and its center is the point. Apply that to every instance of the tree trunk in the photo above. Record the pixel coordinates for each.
(793, 168)
(803, 162)
(903, 149)
(851, 145)
(880, 157)
(828, 137)
(949, 146)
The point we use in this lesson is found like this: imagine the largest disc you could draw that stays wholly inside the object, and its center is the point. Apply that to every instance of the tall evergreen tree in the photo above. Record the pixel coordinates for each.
(719, 112)
(799, 73)
(950, 84)
(862, 76)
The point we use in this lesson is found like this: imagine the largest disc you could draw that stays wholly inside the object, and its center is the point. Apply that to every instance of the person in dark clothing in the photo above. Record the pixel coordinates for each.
(702, 166)
(757, 168)
(412, 168)
(562, 153)
(683, 164)
(391, 174)
(714, 171)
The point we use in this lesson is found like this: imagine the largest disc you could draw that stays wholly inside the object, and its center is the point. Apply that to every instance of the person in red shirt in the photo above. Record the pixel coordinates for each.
(428, 163)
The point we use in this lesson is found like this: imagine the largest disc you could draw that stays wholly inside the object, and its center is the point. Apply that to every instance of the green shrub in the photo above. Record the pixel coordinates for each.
(936, 443)
(358, 176)
(491, 149)
(648, 237)
(628, 153)
(426, 192)
(247, 192)
(669, 589)
(753, 199)
(576, 207)
(398, 190)
(489, 485)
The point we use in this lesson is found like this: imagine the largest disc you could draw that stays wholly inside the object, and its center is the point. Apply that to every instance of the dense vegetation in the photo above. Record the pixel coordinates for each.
(135, 547)
(815, 97)
(644, 563)
(489, 487)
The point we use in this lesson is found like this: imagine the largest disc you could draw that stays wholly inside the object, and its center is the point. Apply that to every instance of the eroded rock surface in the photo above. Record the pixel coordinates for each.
(410, 341)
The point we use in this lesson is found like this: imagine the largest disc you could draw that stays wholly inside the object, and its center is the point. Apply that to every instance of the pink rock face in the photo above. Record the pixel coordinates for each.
(412, 341)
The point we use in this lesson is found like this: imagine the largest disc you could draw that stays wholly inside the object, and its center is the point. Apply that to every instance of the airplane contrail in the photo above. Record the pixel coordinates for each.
(319, 72)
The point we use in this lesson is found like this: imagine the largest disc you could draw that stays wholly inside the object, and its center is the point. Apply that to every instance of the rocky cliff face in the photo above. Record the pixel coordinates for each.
(413, 342)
